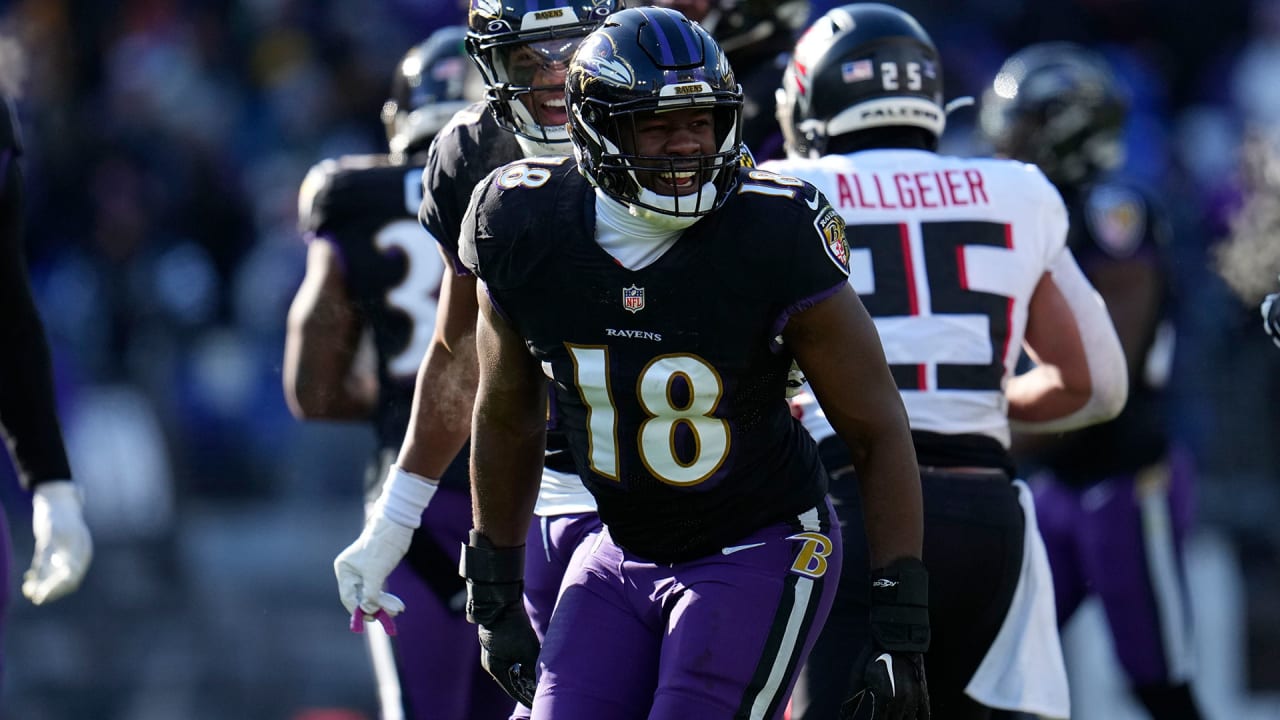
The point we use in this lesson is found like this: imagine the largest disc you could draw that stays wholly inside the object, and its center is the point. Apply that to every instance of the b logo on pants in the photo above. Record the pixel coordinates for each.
(811, 561)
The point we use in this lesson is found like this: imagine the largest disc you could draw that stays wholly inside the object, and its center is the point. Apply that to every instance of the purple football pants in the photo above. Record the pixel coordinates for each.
(436, 650)
(714, 638)
(549, 551)
(1122, 539)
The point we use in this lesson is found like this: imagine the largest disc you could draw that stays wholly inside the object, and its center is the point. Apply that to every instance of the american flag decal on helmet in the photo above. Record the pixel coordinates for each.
(633, 298)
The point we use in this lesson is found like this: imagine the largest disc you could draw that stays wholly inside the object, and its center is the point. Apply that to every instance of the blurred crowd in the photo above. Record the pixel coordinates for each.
(166, 140)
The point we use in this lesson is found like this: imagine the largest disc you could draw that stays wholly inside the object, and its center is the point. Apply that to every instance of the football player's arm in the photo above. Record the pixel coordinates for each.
(445, 392)
(1080, 377)
(508, 436)
(321, 378)
(836, 344)
(28, 416)
(1131, 289)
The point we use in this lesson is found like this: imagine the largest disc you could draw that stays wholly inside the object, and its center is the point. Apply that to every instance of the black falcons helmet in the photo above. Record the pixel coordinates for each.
(433, 81)
(1059, 106)
(858, 67)
(640, 61)
(511, 39)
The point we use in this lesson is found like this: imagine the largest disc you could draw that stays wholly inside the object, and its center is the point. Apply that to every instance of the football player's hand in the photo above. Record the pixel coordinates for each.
(64, 547)
(894, 688)
(1271, 317)
(893, 678)
(362, 568)
(495, 601)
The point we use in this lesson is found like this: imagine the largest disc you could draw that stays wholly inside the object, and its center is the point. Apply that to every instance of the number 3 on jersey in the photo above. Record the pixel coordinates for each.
(416, 295)
(665, 415)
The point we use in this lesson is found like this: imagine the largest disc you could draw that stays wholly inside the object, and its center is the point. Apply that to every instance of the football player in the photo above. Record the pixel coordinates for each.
(522, 53)
(1115, 502)
(657, 307)
(961, 262)
(28, 413)
(372, 269)
(756, 36)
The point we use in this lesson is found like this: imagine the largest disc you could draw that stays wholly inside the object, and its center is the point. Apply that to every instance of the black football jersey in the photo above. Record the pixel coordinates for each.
(464, 152)
(670, 380)
(1117, 221)
(470, 147)
(367, 207)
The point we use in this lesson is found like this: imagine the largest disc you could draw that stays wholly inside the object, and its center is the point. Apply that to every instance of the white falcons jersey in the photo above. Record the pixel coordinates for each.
(945, 255)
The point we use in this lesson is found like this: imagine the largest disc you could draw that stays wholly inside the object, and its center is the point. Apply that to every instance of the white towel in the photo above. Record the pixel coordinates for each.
(1024, 670)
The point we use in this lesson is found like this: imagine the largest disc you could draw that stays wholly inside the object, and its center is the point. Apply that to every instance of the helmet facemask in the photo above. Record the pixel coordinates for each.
(526, 85)
(522, 55)
(679, 185)
(655, 114)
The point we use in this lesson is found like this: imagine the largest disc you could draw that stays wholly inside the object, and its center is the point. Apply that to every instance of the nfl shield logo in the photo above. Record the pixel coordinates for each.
(633, 298)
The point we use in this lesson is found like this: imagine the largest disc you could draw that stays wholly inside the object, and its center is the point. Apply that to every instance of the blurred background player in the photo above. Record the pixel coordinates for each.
(961, 262)
(522, 51)
(757, 36)
(373, 274)
(1113, 500)
(657, 309)
(28, 412)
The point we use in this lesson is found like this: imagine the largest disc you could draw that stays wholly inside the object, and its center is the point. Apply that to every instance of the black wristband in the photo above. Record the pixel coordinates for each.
(900, 606)
(483, 563)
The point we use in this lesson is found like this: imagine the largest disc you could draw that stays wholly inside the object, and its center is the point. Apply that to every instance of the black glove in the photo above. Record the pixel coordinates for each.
(495, 601)
(1271, 316)
(894, 686)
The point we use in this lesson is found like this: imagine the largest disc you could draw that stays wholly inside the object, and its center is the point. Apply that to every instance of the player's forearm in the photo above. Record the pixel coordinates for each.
(506, 461)
(442, 405)
(1041, 395)
(324, 385)
(889, 482)
(28, 414)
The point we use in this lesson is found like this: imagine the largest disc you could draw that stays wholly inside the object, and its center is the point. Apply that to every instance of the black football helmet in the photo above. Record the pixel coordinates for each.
(1059, 106)
(858, 67)
(433, 81)
(510, 40)
(746, 29)
(641, 61)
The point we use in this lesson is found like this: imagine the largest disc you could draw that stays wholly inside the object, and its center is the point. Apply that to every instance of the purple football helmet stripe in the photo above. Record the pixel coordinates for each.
(664, 45)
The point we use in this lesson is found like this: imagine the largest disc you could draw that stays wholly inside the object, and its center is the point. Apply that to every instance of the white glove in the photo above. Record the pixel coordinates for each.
(363, 567)
(63, 545)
